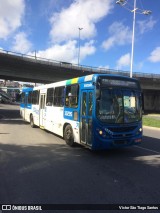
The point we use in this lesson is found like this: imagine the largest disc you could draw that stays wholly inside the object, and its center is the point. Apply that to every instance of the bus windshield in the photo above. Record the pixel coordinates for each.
(119, 105)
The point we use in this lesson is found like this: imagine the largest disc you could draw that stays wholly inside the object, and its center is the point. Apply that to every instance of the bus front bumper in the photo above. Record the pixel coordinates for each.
(100, 143)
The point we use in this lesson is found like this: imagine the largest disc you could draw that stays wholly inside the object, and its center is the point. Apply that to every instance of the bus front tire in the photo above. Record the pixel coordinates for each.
(32, 121)
(68, 135)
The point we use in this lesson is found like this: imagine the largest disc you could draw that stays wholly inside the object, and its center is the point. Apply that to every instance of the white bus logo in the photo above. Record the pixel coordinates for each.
(87, 85)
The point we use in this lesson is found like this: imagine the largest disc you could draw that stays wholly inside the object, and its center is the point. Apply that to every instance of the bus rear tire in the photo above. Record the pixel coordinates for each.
(68, 135)
(32, 121)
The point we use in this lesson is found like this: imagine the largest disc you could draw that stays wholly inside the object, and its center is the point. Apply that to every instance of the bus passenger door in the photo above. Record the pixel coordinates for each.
(42, 109)
(25, 106)
(86, 117)
(26, 113)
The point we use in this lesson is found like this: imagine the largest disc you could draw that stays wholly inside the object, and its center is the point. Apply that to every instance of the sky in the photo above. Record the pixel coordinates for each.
(50, 29)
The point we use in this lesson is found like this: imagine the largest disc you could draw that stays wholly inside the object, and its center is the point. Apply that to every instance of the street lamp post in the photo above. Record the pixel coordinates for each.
(133, 34)
(135, 10)
(79, 45)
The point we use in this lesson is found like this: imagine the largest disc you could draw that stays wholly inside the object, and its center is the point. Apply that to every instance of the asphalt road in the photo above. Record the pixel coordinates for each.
(38, 167)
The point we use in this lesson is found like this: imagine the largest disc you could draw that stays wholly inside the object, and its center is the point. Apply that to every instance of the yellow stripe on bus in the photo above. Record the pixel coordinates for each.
(74, 81)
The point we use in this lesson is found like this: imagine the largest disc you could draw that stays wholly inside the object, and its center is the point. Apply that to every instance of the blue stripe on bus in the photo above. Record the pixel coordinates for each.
(28, 106)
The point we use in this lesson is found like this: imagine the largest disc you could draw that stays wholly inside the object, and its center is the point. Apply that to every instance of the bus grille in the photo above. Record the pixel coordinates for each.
(122, 129)
(120, 142)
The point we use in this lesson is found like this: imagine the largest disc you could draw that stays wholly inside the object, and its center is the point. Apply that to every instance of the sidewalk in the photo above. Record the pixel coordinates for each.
(152, 115)
(151, 127)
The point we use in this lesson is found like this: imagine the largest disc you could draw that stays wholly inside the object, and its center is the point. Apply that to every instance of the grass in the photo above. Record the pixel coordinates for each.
(147, 121)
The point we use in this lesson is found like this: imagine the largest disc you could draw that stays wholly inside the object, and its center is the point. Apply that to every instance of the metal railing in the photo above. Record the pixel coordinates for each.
(64, 64)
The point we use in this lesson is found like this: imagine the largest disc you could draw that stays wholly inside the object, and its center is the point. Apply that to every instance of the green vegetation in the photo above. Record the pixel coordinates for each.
(150, 121)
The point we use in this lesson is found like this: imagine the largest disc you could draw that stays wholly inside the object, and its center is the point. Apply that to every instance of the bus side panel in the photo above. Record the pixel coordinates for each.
(72, 117)
(35, 113)
(58, 120)
(55, 122)
(49, 110)
(76, 131)
(28, 111)
(22, 110)
(25, 111)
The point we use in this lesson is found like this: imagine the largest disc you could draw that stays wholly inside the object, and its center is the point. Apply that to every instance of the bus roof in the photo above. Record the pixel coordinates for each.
(82, 79)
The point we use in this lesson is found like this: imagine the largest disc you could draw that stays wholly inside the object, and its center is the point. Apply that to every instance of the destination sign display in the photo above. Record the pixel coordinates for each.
(118, 82)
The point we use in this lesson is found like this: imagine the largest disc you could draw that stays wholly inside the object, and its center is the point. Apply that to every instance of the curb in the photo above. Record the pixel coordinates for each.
(150, 127)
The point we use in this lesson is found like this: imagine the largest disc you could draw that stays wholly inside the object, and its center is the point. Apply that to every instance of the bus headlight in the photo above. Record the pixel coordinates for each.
(101, 132)
(139, 131)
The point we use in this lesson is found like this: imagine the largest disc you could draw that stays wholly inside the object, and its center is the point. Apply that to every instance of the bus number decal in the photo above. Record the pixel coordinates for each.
(68, 113)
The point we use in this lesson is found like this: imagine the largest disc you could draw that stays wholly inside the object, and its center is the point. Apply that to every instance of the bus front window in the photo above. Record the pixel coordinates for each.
(118, 106)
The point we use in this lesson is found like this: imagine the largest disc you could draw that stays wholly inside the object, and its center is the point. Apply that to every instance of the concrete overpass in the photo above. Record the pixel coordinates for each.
(26, 68)
(19, 67)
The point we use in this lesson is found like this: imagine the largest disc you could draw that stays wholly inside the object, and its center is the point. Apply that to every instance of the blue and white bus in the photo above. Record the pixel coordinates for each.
(99, 111)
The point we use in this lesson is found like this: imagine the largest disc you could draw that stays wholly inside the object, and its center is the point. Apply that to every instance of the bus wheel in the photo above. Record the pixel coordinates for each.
(68, 135)
(32, 121)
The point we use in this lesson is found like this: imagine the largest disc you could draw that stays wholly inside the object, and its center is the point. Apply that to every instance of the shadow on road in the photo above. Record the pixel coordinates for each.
(56, 173)
(11, 116)
(13, 121)
(12, 113)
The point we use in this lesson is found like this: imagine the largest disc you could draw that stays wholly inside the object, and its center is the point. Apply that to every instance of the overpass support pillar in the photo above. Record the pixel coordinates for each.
(151, 100)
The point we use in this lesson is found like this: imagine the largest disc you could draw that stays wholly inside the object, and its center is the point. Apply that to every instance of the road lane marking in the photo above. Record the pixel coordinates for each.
(148, 149)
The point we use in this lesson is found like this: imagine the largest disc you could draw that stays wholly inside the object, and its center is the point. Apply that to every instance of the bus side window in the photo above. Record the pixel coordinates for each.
(35, 97)
(30, 97)
(50, 92)
(90, 104)
(84, 106)
(72, 94)
(23, 97)
(59, 96)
